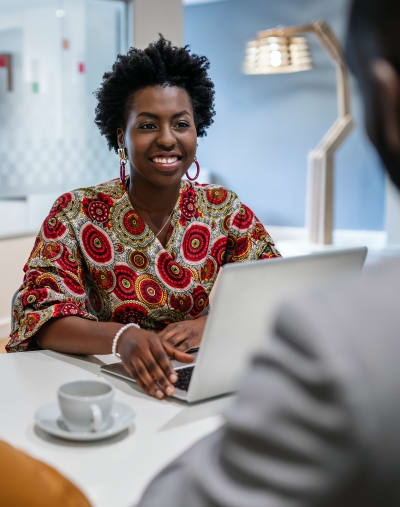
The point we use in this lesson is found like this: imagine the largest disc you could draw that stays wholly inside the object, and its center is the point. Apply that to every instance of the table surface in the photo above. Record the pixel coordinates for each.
(110, 472)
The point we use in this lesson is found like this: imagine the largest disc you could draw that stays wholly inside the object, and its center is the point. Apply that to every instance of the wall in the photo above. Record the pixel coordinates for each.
(266, 124)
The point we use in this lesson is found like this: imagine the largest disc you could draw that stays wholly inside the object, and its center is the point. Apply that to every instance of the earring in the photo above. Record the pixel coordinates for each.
(122, 163)
(197, 172)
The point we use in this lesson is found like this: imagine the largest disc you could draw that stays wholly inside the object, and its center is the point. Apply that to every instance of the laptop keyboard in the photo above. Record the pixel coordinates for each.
(184, 376)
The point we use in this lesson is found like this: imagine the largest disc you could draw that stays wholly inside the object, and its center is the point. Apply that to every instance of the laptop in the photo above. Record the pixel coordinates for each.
(242, 314)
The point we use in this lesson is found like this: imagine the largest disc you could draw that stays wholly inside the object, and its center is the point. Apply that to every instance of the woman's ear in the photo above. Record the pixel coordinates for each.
(389, 82)
(120, 137)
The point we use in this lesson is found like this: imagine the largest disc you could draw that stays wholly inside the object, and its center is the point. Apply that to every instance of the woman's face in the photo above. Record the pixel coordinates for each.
(160, 134)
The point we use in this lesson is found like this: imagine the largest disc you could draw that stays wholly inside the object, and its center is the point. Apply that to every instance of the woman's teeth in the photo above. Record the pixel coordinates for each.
(162, 160)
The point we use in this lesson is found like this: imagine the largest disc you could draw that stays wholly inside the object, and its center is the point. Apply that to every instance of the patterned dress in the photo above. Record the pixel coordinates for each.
(95, 258)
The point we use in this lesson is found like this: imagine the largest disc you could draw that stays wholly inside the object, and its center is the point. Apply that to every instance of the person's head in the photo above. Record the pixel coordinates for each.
(155, 102)
(373, 53)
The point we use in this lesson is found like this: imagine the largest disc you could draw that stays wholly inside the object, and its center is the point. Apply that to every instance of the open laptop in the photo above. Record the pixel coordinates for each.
(242, 313)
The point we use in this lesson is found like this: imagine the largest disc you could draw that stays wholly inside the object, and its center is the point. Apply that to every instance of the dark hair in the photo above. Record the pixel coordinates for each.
(159, 64)
(373, 30)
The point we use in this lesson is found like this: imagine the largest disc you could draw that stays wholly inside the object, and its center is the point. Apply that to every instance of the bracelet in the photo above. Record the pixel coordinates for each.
(118, 336)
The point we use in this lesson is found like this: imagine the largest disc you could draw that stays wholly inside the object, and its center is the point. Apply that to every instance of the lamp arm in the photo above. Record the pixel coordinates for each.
(331, 44)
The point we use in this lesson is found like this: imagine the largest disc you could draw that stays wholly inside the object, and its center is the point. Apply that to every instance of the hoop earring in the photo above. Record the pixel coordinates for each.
(197, 171)
(122, 163)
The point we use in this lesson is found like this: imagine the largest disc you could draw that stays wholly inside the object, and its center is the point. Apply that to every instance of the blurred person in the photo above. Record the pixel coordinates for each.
(316, 422)
(128, 266)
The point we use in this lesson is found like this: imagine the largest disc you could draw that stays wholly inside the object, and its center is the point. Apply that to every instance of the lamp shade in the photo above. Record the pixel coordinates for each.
(277, 55)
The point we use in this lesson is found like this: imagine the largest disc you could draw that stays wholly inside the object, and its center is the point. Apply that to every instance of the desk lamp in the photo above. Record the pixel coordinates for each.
(283, 50)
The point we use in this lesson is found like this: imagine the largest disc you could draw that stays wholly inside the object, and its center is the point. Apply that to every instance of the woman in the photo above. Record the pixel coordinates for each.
(143, 250)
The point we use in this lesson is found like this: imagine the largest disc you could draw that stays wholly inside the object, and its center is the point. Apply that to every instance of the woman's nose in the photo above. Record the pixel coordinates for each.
(166, 138)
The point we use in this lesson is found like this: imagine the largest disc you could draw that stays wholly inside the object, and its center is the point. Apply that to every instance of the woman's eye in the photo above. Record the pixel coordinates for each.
(147, 126)
(182, 124)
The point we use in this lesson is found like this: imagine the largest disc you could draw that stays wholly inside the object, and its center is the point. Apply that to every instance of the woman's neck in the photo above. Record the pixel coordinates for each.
(152, 199)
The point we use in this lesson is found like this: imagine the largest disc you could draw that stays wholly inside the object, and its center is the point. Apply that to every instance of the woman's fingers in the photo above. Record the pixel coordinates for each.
(185, 345)
(148, 382)
(174, 353)
(161, 357)
(160, 369)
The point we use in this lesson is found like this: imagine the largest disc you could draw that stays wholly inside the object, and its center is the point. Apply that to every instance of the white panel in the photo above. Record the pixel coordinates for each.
(152, 17)
(392, 214)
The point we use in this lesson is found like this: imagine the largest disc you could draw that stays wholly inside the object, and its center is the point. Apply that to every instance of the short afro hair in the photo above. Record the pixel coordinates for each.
(159, 64)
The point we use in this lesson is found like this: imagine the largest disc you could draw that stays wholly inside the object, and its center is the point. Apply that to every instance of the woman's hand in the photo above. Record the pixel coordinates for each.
(145, 357)
(183, 335)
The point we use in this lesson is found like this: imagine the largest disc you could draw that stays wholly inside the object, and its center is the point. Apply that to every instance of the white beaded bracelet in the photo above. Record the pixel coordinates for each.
(118, 336)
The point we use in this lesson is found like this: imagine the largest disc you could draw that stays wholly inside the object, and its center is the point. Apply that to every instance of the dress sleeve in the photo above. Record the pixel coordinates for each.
(54, 284)
(247, 238)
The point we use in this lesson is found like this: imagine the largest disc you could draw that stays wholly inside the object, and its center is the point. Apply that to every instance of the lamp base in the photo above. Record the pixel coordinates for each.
(319, 206)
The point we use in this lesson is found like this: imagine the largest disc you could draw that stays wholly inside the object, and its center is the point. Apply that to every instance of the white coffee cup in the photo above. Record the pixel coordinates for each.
(85, 404)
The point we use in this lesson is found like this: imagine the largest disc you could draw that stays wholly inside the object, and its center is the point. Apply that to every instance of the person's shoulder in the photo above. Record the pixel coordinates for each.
(353, 320)
(112, 189)
(375, 286)
(107, 192)
(211, 193)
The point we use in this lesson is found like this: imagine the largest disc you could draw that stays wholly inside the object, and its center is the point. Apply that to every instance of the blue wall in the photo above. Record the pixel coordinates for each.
(265, 125)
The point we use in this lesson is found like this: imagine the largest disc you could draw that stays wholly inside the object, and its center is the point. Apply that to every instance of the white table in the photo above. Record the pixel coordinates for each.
(113, 472)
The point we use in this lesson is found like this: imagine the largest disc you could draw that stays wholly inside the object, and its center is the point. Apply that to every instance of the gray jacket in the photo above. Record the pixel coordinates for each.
(317, 420)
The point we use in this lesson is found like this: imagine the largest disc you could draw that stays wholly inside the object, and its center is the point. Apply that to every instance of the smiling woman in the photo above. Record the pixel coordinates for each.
(127, 266)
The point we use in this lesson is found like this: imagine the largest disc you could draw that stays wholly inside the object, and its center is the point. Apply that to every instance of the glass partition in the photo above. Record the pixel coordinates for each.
(52, 57)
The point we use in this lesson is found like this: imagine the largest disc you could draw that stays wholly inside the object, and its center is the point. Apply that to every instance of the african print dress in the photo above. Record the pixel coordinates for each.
(95, 258)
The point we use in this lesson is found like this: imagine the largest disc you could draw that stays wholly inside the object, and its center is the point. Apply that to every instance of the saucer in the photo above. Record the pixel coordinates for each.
(48, 418)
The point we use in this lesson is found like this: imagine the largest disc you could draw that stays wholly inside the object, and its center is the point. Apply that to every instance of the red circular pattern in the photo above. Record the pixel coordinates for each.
(195, 243)
(218, 250)
(258, 232)
(31, 320)
(48, 281)
(243, 218)
(31, 276)
(208, 270)
(188, 206)
(51, 250)
(32, 297)
(105, 280)
(72, 283)
(133, 223)
(226, 223)
(96, 244)
(129, 312)
(66, 309)
(53, 228)
(216, 195)
(61, 203)
(67, 261)
(139, 260)
(242, 248)
(181, 303)
(98, 209)
(200, 301)
(171, 273)
(149, 291)
(125, 279)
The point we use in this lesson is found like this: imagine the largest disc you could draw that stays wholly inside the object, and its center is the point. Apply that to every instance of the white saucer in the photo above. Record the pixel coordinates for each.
(48, 418)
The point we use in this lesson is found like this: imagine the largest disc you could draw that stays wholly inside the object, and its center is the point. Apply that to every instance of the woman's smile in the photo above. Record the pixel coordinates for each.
(160, 135)
(166, 162)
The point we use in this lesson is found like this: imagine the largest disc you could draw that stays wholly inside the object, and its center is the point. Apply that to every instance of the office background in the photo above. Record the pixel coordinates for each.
(263, 129)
